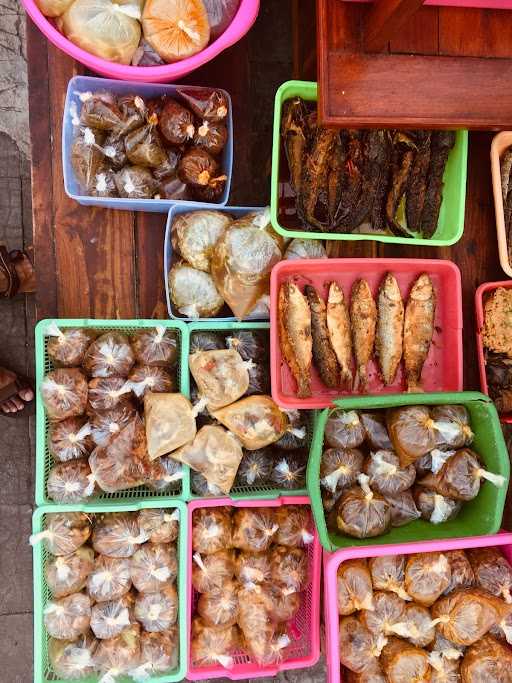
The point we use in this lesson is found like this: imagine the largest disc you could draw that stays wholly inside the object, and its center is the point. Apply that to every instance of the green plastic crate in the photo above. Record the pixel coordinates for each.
(479, 517)
(44, 460)
(246, 492)
(451, 218)
(42, 669)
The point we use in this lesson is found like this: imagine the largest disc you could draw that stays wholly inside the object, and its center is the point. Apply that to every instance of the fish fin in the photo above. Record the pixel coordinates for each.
(346, 378)
(361, 380)
(414, 386)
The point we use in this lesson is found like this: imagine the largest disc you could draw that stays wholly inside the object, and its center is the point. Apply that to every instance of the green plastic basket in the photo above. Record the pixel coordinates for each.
(42, 669)
(479, 517)
(44, 460)
(451, 218)
(247, 492)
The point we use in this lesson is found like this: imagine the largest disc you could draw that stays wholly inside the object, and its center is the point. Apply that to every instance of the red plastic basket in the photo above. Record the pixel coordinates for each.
(443, 370)
(333, 560)
(479, 306)
(304, 651)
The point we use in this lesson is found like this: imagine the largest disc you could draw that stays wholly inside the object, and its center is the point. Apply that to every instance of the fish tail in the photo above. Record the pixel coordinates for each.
(346, 377)
(360, 380)
(304, 388)
(414, 386)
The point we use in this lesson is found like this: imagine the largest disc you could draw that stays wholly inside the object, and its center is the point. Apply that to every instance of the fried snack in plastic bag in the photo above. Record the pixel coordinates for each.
(109, 619)
(157, 611)
(166, 474)
(170, 422)
(110, 578)
(254, 529)
(340, 468)
(412, 432)
(68, 574)
(385, 474)
(117, 534)
(66, 348)
(135, 182)
(492, 571)
(161, 526)
(344, 429)
(158, 654)
(251, 345)
(387, 611)
(359, 649)
(65, 532)
(212, 646)
(463, 575)
(211, 530)
(202, 487)
(212, 572)
(211, 137)
(215, 453)
(362, 513)
(199, 169)
(447, 649)
(144, 145)
(176, 29)
(452, 425)
(294, 524)
(242, 261)
(117, 656)
(403, 508)
(467, 614)
(434, 507)
(68, 618)
(115, 151)
(253, 568)
(64, 393)
(296, 435)
(206, 103)
(70, 482)
(106, 393)
(176, 124)
(72, 660)
(289, 471)
(104, 184)
(427, 576)
(266, 649)
(304, 249)
(53, 8)
(195, 235)
(220, 15)
(219, 607)
(193, 292)
(100, 111)
(221, 376)
(254, 619)
(108, 356)
(283, 605)
(388, 574)
(404, 663)
(417, 626)
(256, 420)
(289, 567)
(87, 158)
(376, 431)
(255, 468)
(155, 347)
(153, 567)
(105, 425)
(354, 587)
(104, 28)
(206, 341)
(70, 439)
(487, 661)
(143, 379)
(443, 670)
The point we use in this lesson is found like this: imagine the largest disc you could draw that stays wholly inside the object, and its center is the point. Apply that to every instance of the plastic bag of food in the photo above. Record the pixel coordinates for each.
(427, 576)
(412, 432)
(212, 646)
(254, 529)
(374, 424)
(202, 487)
(211, 530)
(143, 379)
(359, 649)
(108, 356)
(423, 465)
(104, 28)
(259, 383)
(65, 532)
(212, 572)
(100, 111)
(105, 425)
(161, 526)
(362, 513)
(251, 345)
(158, 654)
(492, 571)
(68, 618)
(255, 468)
(64, 393)
(117, 534)
(109, 619)
(242, 261)
(211, 137)
(296, 435)
(117, 656)
(447, 649)
(153, 567)
(195, 235)
(166, 475)
(304, 249)
(354, 587)
(53, 8)
(452, 425)
(193, 292)
(198, 168)
(388, 574)
(344, 429)
(462, 572)
(170, 423)
(372, 675)
(72, 660)
(294, 524)
(135, 182)
(215, 453)
(385, 474)
(206, 103)
(256, 420)
(417, 626)
(110, 578)
(104, 184)
(265, 649)
(155, 347)
(403, 508)
(219, 607)
(387, 610)
(253, 568)
(221, 376)
(465, 616)
(157, 611)
(289, 471)
(434, 507)
(206, 341)
(70, 439)
(66, 348)
(404, 663)
(115, 152)
(106, 393)
(487, 660)
(176, 123)
(220, 14)
(70, 482)
(443, 670)
(176, 29)
(289, 567)
(68, 574)
(340, 468)
(254, 620)
(87, 157)
(144, 146)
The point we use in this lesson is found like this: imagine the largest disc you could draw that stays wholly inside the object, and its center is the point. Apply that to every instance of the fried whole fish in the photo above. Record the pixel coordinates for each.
(314, 181)
(418, 330)
(338, 325)
(417, 184)
(323, 354)
(403, 157)
(390, 328)
(442, 142)
(294, 138)
(295, 335)
(363, 318)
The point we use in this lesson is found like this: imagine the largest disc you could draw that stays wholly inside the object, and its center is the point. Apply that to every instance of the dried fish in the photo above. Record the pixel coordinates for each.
(505, 168)
(335, 178)
(418, 329)
(403, 157)
(295, 335)
(323, 354)
(417, 184)
(390, 327)
(292, 130)
(352, 180)
(442, 143)
(338, 324)
(363, 317)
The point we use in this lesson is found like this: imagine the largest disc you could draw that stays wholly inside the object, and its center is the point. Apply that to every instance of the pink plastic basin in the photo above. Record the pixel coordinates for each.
(244, 19)
(484, 4)
(443, 369)
(333, 560)
(304, 630)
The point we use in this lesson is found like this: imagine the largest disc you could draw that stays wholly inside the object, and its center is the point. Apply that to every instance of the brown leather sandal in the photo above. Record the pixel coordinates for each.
(18, 271)
(12, 390)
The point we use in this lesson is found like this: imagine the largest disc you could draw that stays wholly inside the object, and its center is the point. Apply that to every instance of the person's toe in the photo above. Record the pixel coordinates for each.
(18, 403)
(26, 394)
(9, 407)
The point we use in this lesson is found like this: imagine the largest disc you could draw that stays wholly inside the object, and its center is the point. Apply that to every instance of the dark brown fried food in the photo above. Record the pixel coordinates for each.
(323, 354)
(417, 184)
(404, 152)
(294, 137)
(442, 143)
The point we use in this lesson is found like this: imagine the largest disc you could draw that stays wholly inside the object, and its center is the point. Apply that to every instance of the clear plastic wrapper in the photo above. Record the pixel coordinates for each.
(206, 103)
(170, 422)
(161, 526)
(213, 646)
(463, 575)
(487, 661)
(434, 507)
(135, 182)
(171, 187)
(115, 151)
(65, 532)
(296, 435)
(144, 146)
(211, 530)
(289, 471)
(362, 513)
(68, 574)
(388, 574)
(166, 474)
(403, 508)
(359, 649)
(193, 292)
(198, 168)
(443, 670)
(304, 249)
(220, 14)
(105, 425)
(176, 123)
(412, 432)
(215, 453)
(109, 619)
(66, 347)
(254, 620)
(354, 587)
(251, 344)
(453, 427)
(221, 376)
(256, 420)
(212, 572)
(211, 136)
(68, 618)
(53, 8)
(423, 465)
(64, 393)
(104, 184)
(176, 29)
(404, 663)
(195, 234)
(294, 524)
(374, 424)
(158, 654)
(219, 607)
(117, 656)
(254, 529)
(110, 578)
(87, 158)
(492, 571)
(387, 611)
(447, 649)
(252, 568)
(109, 355)
(344, 429)
(385, 474)
(340, 468)
(157, 611)
(117, 534)
(283, 605)
(267, 649)
(70, 482)
(202, 487)
(72, 660)
(416, 626)
(427, 576)
(70, 439)
(155, 347)
(255, 468)
(153, 567)
(133, 110)
(106, 393)
(289, 567)
(206, 341)
(100, 111)
(144, 378)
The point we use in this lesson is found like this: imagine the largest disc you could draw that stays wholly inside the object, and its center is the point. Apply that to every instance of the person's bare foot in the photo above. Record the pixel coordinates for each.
(17, 274)
(17, 401)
